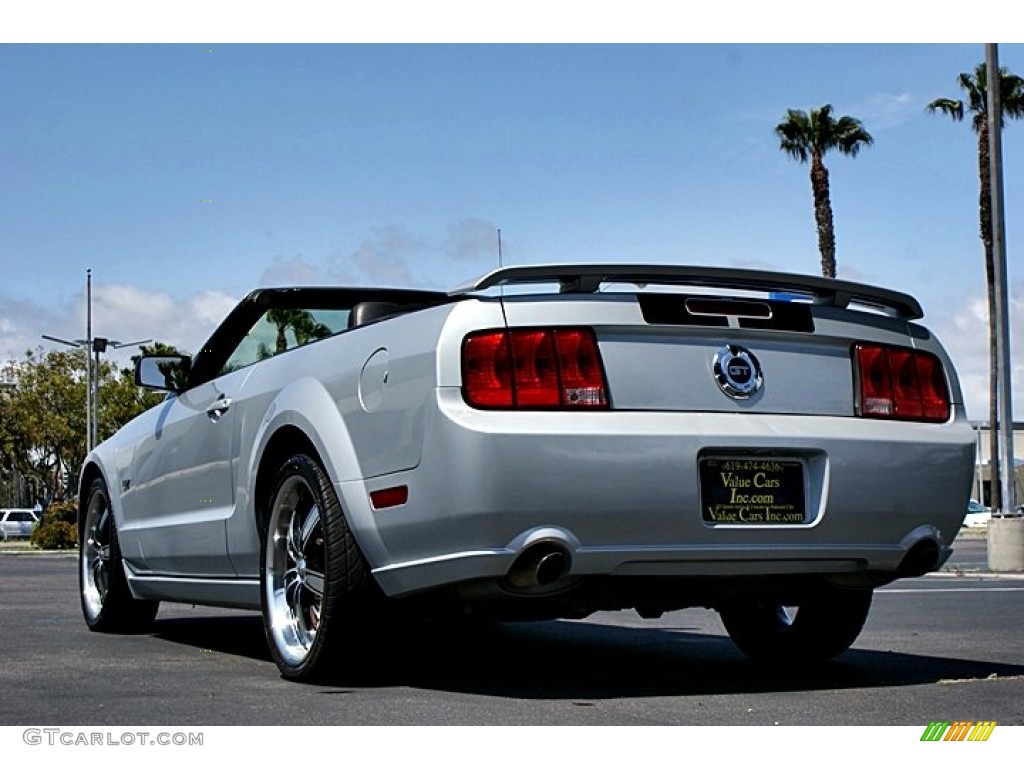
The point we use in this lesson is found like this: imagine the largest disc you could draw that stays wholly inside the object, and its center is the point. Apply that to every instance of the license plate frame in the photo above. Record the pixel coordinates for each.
(752, 490)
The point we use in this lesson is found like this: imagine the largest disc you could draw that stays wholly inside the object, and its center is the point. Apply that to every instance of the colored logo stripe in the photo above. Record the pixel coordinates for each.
(935, 730)
(960, 730)
(982, 731)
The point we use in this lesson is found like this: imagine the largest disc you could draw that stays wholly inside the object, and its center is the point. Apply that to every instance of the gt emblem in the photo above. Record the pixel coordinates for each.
(737, 372)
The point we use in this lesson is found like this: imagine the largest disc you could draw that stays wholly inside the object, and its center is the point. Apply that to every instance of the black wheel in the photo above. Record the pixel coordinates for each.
(822, 626)
(107, 602)
(315, 584)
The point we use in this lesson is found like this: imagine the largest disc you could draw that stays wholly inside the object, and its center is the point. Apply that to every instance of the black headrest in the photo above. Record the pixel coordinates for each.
(368, 311)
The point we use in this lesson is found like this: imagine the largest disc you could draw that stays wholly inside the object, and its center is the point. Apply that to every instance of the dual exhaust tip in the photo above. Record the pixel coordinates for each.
(547, 562)
(540, 565)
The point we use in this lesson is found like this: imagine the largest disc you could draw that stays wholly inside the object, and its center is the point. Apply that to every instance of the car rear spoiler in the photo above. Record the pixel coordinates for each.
(587, 278)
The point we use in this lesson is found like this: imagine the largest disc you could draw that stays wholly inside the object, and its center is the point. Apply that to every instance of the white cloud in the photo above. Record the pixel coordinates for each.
(887, 110)
(472, 240)
(23, 322)
(394, 256)
(129, 313)
(965, 336)
(120, 312)
(295, 270)
(383, 259)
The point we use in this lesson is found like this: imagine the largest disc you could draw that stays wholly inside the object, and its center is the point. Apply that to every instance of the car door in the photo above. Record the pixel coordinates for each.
(180, 491)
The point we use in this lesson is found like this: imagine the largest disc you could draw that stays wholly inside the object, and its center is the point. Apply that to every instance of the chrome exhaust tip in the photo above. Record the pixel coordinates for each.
(540, 565)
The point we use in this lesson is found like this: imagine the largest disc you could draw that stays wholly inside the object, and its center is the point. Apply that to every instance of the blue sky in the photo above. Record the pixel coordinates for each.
(185, 175)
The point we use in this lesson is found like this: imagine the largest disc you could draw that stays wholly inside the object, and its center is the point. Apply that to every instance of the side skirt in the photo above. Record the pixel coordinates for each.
(223, 593)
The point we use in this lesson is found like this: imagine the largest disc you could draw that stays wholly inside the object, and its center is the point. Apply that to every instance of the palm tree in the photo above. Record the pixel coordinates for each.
(1011, 90)
(806, 137)
(301, 322)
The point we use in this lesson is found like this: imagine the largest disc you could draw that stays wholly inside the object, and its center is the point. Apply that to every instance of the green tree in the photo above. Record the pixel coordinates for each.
(157, 348)
(808, 137)
(42, 416)
(42, 420)
(1011, 91)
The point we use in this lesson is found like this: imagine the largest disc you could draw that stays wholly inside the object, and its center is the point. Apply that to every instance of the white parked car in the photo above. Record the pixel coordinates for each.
(17, 523)
(541, 442)
(977, 515)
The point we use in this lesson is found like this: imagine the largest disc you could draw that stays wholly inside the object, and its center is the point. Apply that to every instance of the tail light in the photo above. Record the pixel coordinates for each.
(900, 383)
(533, 368)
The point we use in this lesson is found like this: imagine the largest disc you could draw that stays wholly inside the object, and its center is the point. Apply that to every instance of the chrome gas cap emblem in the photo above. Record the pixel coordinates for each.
(737, 372)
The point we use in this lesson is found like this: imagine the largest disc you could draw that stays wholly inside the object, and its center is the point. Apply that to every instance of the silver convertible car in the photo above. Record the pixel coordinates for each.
(543, 442)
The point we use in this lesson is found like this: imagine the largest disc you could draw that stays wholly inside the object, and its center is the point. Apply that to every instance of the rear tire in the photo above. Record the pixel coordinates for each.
(822, 626)
(315, 585)
(107, 602)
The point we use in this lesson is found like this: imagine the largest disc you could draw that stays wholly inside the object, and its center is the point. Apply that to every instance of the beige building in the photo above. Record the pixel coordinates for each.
(981, 475)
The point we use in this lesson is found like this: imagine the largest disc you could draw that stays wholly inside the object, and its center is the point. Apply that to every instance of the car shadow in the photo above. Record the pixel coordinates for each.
(575, 660)
(239, 635)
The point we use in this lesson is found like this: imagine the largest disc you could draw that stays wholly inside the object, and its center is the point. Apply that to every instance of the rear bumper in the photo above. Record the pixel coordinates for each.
(619, 492)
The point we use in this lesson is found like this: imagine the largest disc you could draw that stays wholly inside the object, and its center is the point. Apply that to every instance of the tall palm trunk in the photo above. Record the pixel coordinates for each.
(823, 216)
(985, 212)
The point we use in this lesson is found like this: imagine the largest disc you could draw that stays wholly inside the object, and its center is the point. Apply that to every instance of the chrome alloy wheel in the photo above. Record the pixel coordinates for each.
(294, 568)
(94, 559)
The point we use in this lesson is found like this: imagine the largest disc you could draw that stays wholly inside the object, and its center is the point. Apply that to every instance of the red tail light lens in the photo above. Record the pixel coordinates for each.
(536, 371)
(901, 383)
(533, 368)
(487, 370)
(934, 392)
(581, 369)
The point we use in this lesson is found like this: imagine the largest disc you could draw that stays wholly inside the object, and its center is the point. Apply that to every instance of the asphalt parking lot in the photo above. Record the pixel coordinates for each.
(946, 646)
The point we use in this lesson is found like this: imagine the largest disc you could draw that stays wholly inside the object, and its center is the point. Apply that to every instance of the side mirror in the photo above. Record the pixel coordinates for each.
(165, 373)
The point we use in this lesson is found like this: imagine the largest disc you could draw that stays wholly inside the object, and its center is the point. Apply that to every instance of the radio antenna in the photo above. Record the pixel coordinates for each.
(501, 287)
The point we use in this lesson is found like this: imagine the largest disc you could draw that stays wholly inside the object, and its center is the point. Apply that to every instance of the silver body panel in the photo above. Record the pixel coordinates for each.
(618, 490)
(873, 492)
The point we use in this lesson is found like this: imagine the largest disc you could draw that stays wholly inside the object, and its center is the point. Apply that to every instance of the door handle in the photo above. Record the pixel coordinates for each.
(219, 408)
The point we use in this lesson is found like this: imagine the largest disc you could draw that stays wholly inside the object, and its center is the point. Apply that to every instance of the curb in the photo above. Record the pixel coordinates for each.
(961, 574)
(24, 548)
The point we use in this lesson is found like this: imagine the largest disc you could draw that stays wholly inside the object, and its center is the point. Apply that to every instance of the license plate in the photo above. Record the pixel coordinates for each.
(752, 491)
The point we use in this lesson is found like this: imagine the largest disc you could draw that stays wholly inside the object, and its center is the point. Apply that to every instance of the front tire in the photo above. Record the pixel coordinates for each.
(107, 602)
(820, 627)
(315, 584)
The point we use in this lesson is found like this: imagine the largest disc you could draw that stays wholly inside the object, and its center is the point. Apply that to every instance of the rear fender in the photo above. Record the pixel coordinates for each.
(304, 405)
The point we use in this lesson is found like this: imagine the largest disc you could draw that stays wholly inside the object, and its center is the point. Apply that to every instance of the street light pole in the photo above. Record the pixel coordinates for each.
(1006, 526)
(995, 131)
(94, 346)
(90, 435)
(100, 345)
